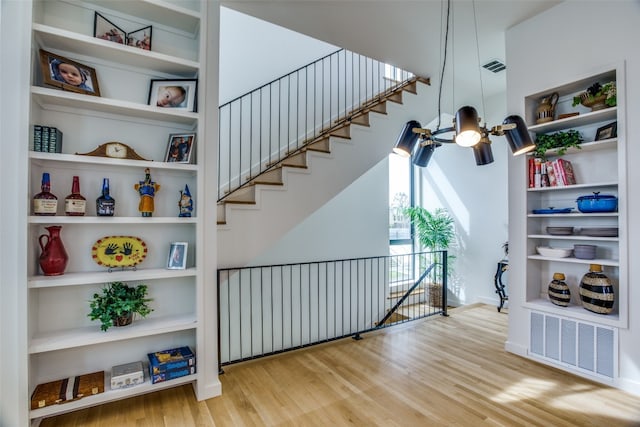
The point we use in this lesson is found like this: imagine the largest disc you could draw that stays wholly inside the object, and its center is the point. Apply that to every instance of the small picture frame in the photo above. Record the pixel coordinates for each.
(177, 94)
(107, 30)
(607, 131)
(180, 147)
(140, 38)
(65, 74)
(177, 259)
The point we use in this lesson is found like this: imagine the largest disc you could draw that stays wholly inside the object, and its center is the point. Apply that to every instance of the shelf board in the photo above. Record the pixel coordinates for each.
(575, 186)
(110, 395)
(573, 237)
(576, 121)
(56, 38)
(103, 276)
(111, 163)
(50, 98)
(89, 335)
(575, 215)
(572, 260)
(575, 312)
(90, 219)
(162, 12)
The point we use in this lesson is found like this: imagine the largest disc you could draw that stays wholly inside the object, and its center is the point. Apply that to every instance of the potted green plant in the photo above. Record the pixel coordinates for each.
(598, 96)
(559, 141)
(435, 231)
(117, 304)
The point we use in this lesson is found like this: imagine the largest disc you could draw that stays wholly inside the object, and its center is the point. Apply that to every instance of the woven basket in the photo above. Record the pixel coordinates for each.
(435, 294)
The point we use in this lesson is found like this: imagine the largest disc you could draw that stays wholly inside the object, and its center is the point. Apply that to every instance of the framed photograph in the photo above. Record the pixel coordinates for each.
(180, 147)
(178, 94)
(65, 74)
(177, 256)
(107, 30)
(607, 131)
(140, 38)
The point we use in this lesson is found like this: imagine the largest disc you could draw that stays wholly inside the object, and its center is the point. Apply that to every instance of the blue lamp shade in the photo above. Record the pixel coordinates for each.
(423, 154)
(467, 129)
(407, 139)
(482, 152)
(518, 138)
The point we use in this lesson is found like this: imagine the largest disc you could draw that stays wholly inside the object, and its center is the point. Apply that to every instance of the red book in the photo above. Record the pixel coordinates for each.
(532, 171)
(569, 176)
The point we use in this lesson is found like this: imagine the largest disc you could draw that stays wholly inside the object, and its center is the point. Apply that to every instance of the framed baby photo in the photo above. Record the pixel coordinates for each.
(66, 74)
(107, 30)
(180, 147)
(140, 38)
(177, 259)
(177, 94)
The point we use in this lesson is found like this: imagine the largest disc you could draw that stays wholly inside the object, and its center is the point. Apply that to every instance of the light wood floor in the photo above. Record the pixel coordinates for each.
(436, 372)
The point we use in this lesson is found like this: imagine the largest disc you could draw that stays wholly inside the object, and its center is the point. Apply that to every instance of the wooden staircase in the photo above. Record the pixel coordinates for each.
(297, 159)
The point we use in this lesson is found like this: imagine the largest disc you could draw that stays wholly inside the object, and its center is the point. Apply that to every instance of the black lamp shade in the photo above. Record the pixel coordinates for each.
(518, 138)
(467, 129)
(407, 139)
(483, 153)
(423, 155)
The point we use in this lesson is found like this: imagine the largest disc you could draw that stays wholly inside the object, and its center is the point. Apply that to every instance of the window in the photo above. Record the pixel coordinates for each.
(400, 197)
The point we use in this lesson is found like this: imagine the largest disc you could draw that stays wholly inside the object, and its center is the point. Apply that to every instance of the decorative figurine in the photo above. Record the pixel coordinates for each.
(147, 190)
(185, 204)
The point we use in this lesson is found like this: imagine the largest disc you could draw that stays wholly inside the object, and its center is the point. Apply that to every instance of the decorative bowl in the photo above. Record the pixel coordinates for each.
(560, 231)
(554, 252)
(584, 251)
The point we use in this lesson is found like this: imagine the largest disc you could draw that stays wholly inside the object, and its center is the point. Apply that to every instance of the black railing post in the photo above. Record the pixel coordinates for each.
(445, 271)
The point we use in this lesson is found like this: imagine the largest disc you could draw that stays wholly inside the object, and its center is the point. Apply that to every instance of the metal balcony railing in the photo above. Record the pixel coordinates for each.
(265, 310)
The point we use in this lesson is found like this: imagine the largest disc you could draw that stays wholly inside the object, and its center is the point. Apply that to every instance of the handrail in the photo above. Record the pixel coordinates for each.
(406, 295)
(259, 130)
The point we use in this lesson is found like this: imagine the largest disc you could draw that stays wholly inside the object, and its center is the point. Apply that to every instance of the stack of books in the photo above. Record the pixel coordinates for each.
(550, 173)
(47, 139)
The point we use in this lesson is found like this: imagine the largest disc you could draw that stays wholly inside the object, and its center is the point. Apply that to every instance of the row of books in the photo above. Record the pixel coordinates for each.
(550, 173)
(47, 139)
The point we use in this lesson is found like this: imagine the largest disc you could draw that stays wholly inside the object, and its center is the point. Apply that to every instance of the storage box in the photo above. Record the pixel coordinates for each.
(168, 364)
(67, 389)
(127, 375)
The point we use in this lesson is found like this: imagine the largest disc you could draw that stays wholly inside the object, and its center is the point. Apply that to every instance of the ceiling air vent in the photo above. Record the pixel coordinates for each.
(495, 66)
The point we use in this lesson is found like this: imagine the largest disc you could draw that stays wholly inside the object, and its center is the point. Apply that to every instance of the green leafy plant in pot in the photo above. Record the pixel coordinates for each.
(598, 96)
(118, 303)
(559, 141)
(435, 231)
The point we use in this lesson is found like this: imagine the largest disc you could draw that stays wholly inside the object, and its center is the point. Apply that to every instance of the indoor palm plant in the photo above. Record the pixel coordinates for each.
(117, 304)
(436, 232)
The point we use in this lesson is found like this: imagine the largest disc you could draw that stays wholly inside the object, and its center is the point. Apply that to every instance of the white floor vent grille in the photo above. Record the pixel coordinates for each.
(574, 344)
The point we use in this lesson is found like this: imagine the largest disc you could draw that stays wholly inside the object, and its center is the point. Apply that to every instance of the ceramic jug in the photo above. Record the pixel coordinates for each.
(547, 108)
(53, 259)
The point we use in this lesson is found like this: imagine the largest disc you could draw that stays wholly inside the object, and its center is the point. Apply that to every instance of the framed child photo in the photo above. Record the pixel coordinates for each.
(140, 38)
(65, 74)
(180, 147)
(177, 259)
(177, 94)
(107, 30)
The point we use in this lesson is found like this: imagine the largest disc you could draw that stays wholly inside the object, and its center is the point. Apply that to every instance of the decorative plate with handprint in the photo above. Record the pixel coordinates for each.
(119, 251)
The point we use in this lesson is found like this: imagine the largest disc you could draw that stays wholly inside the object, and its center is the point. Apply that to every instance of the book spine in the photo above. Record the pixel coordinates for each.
(551, 175)
(37, 138)
(532, 171)
(45, 138)
(59, 137)
(567, 168)
(560, 179)
(537, 181)
(53, 140)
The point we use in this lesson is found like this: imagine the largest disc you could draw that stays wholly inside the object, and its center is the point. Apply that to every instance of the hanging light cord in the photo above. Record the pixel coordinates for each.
(475, 23)
(444, 62)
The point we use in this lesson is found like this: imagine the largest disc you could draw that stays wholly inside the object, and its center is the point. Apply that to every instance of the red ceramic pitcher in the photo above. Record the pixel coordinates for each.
(53, 259)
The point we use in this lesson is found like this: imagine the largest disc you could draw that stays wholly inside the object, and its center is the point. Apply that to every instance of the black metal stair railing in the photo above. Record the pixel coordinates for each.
(261, 128)
(265, 310)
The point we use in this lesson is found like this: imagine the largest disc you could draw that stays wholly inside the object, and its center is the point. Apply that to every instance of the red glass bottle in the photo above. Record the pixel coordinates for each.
(75, 204)
(45, 203)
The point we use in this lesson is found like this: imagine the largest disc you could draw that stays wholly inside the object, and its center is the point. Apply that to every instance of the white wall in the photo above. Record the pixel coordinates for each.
(547, 51)
(254, 52)
(353, 224)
